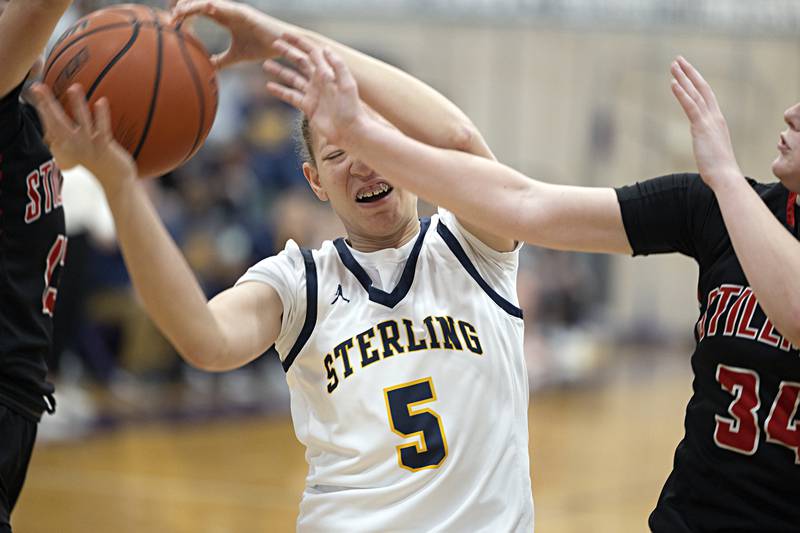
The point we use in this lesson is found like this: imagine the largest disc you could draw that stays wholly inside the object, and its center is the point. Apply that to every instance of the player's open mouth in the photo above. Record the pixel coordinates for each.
(373, 193)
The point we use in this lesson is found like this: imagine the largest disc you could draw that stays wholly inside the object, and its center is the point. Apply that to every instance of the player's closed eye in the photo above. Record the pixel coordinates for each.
(333, 155)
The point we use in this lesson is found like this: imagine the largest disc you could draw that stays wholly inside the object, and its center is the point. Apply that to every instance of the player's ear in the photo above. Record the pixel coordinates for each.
(312, 176)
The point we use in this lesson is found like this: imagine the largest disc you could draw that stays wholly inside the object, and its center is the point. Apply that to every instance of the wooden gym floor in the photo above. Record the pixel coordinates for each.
(599, 457)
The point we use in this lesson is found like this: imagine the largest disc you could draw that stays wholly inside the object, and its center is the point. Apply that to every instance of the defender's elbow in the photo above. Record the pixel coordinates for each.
(465, 137)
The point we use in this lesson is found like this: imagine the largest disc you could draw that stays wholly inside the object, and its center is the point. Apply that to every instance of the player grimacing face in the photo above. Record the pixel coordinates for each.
(786, 166)
(365, 202)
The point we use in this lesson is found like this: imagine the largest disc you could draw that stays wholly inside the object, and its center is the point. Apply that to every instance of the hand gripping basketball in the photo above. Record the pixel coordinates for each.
(157, 77)
(86, 140)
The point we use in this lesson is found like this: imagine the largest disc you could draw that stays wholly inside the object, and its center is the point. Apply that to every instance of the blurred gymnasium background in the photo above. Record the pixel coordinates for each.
(570, 91)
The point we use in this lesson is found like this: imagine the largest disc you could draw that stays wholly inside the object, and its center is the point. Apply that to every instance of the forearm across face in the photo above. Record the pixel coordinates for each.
(416, 108)
(491, 195)
(408, 103)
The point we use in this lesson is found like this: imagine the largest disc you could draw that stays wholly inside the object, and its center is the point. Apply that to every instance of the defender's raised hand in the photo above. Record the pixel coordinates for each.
(711, 140)
(252, 32)
(86, 140)
(321, 86)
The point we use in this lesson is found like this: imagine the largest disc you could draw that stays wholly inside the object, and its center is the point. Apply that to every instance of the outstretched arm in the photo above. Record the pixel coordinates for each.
(231, 330)
(481, 191)
(418, 110)
(408, 103)
(25, 26)
(768, 253)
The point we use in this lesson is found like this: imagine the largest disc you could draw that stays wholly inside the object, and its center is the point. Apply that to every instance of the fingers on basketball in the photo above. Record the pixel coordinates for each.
(57, 125)
(77, 101)
(160, 84)
(102, 120)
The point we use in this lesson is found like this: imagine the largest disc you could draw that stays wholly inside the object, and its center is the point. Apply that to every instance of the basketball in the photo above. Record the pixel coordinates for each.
(158, 78)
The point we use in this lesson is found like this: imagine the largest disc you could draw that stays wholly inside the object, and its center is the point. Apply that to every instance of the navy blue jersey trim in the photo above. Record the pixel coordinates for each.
(311, 310)
(455, 247)
(376, 295)
(351, 264)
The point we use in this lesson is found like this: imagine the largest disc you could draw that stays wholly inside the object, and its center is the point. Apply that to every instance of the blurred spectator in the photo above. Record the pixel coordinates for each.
(557, 292)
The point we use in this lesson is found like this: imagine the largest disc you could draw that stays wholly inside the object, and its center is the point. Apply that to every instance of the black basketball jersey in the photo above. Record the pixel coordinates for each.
(33, 245)
(738, 465)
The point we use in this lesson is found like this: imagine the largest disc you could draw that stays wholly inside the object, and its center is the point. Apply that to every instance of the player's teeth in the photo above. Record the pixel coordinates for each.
(378, 189)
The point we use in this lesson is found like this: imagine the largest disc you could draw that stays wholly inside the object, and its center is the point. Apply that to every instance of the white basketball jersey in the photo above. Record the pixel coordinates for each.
(412, 398)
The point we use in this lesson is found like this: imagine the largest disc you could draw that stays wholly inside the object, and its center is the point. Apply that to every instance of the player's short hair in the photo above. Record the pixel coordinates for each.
(305, 147)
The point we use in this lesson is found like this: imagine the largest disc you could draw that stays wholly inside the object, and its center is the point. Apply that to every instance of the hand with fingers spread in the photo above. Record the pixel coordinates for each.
(252, 32)
(711, 140)
(320, 85)
(86, 140)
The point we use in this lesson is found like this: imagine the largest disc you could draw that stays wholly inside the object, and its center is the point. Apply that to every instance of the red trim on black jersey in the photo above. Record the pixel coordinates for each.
(791, 203)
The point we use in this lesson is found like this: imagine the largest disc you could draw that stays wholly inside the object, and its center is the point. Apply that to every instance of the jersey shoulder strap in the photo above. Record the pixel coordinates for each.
(452, 243)
(311, 312)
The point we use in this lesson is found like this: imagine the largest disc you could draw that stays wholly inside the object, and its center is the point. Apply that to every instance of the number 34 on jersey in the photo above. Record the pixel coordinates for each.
(741, 431)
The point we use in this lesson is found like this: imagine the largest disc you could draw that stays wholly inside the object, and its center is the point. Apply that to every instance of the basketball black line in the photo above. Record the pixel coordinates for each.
(198, 88)
(151, 112)
(114, 60)
(114, 25)
(78, 39)
(82, 36)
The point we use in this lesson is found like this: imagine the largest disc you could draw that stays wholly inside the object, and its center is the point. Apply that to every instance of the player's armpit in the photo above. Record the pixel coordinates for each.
(249, 319)
(489, 238)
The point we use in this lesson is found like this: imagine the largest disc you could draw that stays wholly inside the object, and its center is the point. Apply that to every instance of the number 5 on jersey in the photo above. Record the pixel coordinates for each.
(424, 425)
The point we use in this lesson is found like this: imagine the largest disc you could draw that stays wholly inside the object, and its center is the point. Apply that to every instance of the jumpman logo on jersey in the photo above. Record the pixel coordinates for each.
(338, 294)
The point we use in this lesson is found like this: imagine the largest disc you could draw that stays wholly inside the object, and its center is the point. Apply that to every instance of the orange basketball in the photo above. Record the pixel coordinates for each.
(158, 79)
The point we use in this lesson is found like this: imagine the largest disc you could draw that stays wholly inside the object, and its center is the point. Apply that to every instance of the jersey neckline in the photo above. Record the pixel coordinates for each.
(389, 299)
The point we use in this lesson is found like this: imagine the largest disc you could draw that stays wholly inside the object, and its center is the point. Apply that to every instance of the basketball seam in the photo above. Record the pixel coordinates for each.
(199, 89)
(114, 60)
(114, 25)
(157, 82)
(78, 39)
